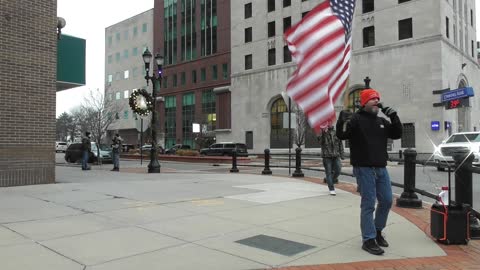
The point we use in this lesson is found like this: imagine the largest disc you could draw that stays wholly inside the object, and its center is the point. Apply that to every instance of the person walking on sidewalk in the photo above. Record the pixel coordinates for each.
(368, 134)
(86, 149)
(332, 151)
(116, 148)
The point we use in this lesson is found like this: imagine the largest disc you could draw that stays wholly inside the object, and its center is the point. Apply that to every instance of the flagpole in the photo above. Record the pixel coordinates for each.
(289, 135)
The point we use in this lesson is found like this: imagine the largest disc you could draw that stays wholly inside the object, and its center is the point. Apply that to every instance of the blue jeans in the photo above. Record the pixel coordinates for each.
(332, 170)
(116, 160)
(85, 160)
(374, 183)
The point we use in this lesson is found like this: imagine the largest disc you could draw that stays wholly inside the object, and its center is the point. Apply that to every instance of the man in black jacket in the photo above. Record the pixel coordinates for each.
(368, 135)
(86, 149)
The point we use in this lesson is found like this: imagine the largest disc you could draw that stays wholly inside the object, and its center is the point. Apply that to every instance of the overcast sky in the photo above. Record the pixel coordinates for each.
(88, 19)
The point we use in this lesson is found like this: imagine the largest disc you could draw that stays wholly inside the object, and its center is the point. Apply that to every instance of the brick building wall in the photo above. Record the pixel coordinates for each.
(28, 57)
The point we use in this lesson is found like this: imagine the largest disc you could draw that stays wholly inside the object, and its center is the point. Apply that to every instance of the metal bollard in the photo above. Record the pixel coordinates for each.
(298, 163)
(234, 168)
(463, 186)
(267, 170)
(400, 154)
(409, 198)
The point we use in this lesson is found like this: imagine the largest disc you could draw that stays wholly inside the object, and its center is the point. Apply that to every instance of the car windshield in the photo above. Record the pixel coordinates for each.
(458, 138)
(105, 147)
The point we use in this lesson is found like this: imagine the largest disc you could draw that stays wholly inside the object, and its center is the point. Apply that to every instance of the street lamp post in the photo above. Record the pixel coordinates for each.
(154, 165)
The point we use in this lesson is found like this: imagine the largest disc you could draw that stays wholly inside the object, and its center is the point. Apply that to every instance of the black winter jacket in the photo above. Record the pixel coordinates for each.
(367, 134)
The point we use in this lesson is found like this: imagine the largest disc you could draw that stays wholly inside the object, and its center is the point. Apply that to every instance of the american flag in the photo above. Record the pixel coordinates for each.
(321, 46)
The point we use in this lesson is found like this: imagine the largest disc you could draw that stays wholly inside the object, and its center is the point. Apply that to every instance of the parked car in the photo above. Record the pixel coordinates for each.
(458, 141)
(148, 147)
(74, 153)
(61, 147)
(225, 149)
(173, 150)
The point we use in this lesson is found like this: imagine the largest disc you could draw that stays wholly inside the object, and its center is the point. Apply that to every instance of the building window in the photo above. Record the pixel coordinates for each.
(125, 35)
(248, 10)
(287, 23)
(188, 32)
(203, 74)
(209, 109)
(286, 3)
(208, 20)
(135, 51)
(109, 41)
(165, 81)
(117, 36)
(248, 34)
(271, 5)
(170, 121)
(214, 72)
(117, 76)
(183, 78)
(135, 72)
(125, 54)
(225, 71)
(188, 117)
(194, 76)
(471, 17)
(368, 6)
(125, 94)
(271, 57)
(369, 36)
(454, 34)
(248, 62)
(402, 1)
(117, 95)
(174, 80)
(447, 27)
(271, 29)
(110, 97)
(126, 74)
(408, 136)
(287, 56)
(117, 57)
(135, 31)
(110, 59)
(110, 78)
(144, 28)
(473, 49)
(405, 29)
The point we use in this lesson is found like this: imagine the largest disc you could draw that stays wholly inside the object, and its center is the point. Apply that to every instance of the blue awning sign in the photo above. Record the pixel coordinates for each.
(457, 93)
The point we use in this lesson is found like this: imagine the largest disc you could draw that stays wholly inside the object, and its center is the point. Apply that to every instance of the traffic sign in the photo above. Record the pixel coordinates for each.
(457, 94)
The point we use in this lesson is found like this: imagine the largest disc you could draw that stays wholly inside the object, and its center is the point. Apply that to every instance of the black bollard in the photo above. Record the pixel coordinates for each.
(400, 154)
(234, 168)
(298, 163)
(267, 163)
(463, 186)
(409, 198)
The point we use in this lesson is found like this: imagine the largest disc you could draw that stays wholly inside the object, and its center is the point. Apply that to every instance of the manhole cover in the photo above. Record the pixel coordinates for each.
(274, 244)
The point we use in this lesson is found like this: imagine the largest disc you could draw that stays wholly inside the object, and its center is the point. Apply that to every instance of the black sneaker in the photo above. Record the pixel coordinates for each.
(380, 240)
(371, 247)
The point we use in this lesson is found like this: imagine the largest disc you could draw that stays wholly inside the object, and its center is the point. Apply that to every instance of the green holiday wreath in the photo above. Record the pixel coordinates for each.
(141, 102)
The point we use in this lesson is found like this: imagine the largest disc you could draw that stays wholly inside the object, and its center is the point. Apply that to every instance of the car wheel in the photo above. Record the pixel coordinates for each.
(68, 159)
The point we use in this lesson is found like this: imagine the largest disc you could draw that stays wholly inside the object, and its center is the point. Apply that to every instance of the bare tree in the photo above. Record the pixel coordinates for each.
(301, 126)
(64, 125)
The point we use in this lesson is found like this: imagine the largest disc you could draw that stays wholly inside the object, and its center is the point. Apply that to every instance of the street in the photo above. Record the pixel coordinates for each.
(427, 178)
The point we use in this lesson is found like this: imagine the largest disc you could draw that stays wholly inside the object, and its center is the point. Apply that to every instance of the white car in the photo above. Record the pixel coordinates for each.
(61, 147)
(459, 141)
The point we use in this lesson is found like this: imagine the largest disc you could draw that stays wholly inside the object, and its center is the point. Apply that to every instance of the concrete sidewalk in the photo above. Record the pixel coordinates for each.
(107, 220)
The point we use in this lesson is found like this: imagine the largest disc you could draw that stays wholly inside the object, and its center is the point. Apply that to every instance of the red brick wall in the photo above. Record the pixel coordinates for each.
(28, 46)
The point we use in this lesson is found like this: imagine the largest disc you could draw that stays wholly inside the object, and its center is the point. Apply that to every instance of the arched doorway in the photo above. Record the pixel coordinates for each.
(278, 131)
(463, 115)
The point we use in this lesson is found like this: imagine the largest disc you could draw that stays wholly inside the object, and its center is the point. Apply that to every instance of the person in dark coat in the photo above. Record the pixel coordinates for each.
(86, 149)
(368, 135)
(116, 148)
(332, 152)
